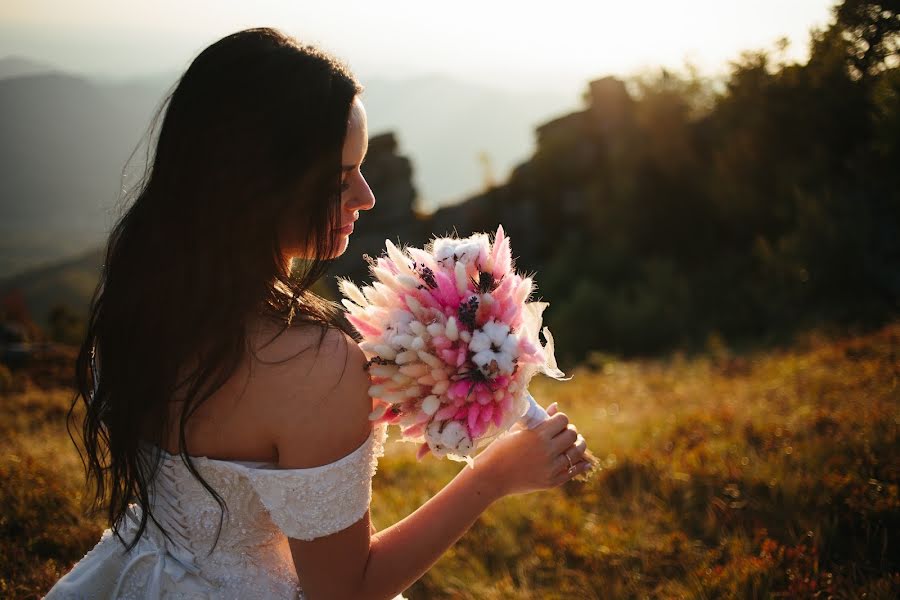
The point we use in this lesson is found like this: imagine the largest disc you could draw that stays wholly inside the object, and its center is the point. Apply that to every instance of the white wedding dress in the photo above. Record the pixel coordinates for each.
(252, 559)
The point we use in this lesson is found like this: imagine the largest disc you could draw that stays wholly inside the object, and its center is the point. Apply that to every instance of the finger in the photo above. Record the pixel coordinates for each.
(553, 409)
(563, 440)
(554, 424)
(561, 465)
(580, 447)
(567, 474)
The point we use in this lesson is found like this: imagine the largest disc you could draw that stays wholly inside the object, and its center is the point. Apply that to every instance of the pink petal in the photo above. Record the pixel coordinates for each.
(445, 413)
(423, 450)
(363, 327)
(473, 415)
(414, 430)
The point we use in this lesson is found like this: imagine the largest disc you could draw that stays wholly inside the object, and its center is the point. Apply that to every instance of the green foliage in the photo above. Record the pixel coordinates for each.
(670, 208)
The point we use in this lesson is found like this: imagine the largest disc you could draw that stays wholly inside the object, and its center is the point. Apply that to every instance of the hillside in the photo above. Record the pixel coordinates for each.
(69, 282)
(725, 476)
(67, 140)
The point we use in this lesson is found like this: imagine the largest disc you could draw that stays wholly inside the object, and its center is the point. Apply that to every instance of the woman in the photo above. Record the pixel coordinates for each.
(226, 429)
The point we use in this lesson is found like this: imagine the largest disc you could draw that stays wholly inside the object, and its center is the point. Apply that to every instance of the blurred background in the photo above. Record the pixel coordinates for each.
(708, 196)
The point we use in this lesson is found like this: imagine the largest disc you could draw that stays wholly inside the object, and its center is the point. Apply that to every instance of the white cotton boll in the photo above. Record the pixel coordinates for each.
(384, 351)
(462, 281)
(498, 395)
(433, 438)
(431, 404)
(465, 335)
(504, 361)
(439, 374)
(418, 328)
(435, 329)
(483, 358)
(480, 341)
(413, 391)
(433, 432)
(464, 446)
(454, 434)
(451, 331)
(497, 332)
(440, 387)
(511, 346)
(377, 391)
(407, 356)
(402, 340)
(418, 343)
(467, 250)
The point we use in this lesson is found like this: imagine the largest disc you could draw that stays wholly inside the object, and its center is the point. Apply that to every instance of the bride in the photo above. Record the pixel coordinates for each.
(226, 432)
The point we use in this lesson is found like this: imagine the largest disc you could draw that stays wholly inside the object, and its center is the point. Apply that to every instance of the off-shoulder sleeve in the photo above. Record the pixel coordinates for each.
(310, 503)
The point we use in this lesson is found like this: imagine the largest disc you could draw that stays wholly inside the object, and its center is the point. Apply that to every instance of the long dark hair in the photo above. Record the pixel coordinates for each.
(251, 141)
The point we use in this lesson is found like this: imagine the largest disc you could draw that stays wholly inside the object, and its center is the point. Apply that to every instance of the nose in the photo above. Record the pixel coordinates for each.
(363, 199)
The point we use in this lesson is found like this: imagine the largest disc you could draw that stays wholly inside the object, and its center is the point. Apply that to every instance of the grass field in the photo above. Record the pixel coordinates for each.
(767, 475)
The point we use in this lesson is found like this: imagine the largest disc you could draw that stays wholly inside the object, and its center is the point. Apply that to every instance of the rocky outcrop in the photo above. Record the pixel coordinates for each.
(545, 201)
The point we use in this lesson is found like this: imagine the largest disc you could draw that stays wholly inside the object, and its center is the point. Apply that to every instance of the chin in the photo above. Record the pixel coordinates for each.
(339, 249)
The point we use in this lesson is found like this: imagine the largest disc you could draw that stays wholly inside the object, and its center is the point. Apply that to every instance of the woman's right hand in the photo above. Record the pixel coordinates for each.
(528, 460)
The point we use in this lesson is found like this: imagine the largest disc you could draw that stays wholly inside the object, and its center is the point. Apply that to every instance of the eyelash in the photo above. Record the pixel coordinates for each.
(346, 186)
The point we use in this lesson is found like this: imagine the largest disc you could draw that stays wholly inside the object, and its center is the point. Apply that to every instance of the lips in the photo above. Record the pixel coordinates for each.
(348, 228)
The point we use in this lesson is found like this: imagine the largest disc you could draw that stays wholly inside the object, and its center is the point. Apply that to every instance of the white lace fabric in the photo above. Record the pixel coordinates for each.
(251, 558)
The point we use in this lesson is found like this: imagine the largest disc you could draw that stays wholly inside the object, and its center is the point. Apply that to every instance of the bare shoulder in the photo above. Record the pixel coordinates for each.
(319, 405)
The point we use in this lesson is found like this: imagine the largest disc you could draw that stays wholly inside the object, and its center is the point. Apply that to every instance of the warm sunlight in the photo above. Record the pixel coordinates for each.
(506, 43)
(491, 300)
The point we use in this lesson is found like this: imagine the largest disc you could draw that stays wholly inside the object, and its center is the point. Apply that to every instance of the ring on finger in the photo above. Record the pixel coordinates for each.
(566, 454)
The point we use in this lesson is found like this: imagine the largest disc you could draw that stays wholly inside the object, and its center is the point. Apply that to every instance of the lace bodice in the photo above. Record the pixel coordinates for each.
(251, 559)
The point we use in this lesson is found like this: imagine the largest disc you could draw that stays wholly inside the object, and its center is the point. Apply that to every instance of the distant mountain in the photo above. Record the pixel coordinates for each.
(445, 125)
(17, 66)
(66, 140)
(70, 282)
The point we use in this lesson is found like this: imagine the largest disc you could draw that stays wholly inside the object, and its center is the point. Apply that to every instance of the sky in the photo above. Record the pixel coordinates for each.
(511, 45)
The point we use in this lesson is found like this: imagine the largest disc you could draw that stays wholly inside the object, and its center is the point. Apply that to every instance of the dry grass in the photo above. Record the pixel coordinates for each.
(769, 475)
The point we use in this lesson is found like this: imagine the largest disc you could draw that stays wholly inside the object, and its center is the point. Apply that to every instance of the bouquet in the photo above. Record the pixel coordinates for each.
(452, 341)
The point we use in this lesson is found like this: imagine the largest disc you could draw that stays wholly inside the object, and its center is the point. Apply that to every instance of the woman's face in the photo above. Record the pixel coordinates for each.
(355, 192)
